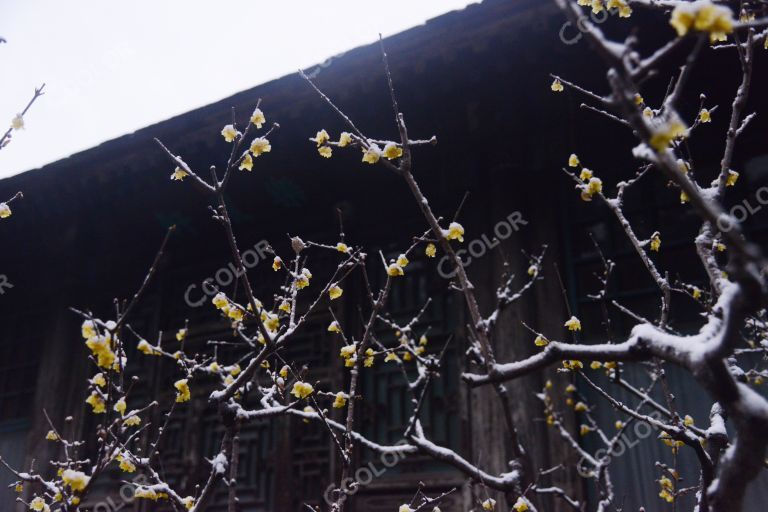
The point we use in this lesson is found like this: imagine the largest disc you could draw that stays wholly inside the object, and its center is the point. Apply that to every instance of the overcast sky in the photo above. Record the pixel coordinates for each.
(113, 67)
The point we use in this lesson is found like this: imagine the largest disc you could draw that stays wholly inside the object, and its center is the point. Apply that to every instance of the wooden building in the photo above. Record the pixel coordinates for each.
(478, 79)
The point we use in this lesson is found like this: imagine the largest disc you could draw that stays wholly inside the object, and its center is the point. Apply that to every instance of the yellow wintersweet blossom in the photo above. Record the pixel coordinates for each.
(595, 365)
(188, 502)
(666, 133)
(335, 291)
(580, 407)
(570, 388)
(285, 306)
(619, 424)
(703, 16)
(340, 401)
(594, 186)
(573, 160)
(303, 280)
(182, 388)
(731, 179)
(88, 329)
(455, 232)
(277, 263)
(5, 211)
(391, 356)
(100, 347)
(145, 493)
(229, 133)
(404, 508)
(246, 164)
(624, 9)
(126, 465)
(541, 341)
(146, 348)
(260, 145)
(521, 505)
(322, 137)
(132, 421)
(334, 327)
(368, 361)
(120, 406)
(696, 293)
(597, 6)
(683, 197)
(99, 380)
(345, 139)
(573, 324)
(302, 389)
(284, 371)
(392, 151)
(431, 250)
(325, 151)
(220, 300)
(585, 174)
(76, 480)
(342, 247)
(179, 174)
(705, 116)
(584, 430)
(258, 118)
(394, 270)
(214, 367)
(688, 420)
(655, 242)
(667, 488)
(17, 123)
(402, 260)
(647, 112)
(348, 351)
(181, 334)
(556, 86)
(720, 246)
(271, 321)
(372, 154)
(52, 436)
(39, 505)
(572, 364)
(489, 504)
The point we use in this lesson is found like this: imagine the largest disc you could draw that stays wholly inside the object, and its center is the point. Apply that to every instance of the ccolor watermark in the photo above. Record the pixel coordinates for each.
(5, 284)
(743, 210)
(225, 276)
(124, 498)
(641, 429)
(479, 247)
(363, 476)
(581, 28)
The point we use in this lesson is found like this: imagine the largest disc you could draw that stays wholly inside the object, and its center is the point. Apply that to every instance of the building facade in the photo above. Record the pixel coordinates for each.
(478, 79)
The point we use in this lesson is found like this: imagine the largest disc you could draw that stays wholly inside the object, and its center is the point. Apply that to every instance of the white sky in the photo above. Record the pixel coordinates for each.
(112, 67)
